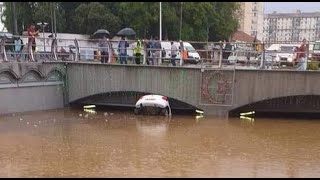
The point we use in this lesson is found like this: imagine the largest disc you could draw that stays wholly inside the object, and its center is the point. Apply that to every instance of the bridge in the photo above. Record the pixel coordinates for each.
(216, 91)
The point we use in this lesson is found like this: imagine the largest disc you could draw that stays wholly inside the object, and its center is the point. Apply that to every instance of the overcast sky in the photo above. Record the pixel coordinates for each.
(289, 7)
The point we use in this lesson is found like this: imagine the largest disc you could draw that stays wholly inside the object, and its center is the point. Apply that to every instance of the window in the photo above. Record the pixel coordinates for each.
(254, 14)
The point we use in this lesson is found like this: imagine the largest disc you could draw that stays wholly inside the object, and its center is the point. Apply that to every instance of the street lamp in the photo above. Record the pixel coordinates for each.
(43, 25)
(160, 35)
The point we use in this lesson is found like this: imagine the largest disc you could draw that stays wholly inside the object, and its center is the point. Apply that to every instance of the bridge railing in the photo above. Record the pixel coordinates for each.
(258, 55)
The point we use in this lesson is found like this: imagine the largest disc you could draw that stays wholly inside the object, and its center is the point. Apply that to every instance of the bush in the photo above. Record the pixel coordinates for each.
(313, 66)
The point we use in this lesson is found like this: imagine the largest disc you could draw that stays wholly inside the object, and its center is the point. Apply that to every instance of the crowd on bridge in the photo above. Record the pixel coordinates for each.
(148, 52)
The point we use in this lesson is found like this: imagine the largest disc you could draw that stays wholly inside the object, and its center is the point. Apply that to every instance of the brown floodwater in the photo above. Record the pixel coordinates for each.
(74, 143)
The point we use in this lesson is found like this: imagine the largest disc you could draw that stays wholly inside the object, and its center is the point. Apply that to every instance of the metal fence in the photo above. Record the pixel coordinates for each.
(191, 54)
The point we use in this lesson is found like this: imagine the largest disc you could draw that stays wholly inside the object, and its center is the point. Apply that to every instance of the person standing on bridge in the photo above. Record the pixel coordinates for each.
(174, 52)
(104, 49)
(157, 51)
(137, 52)
(32, 33)
(122, 49)
(301, 56)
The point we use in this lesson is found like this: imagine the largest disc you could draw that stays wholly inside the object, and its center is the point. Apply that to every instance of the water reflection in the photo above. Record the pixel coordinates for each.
(63, 143)
(153, 126)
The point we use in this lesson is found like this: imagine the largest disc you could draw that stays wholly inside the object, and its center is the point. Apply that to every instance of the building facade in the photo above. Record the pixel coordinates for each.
(251, 19)
(2, 8)
(291, 27)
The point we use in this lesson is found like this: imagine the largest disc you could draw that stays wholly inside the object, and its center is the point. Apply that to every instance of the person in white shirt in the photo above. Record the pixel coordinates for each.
(174, 52)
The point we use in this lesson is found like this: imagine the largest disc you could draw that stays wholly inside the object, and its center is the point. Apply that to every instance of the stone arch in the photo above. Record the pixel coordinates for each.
(7, 76)
(33, 75)
(128, 98)
(55, 74)
(9, 72)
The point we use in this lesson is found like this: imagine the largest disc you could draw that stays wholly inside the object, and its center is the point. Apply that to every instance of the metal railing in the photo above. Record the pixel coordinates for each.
(194, 54)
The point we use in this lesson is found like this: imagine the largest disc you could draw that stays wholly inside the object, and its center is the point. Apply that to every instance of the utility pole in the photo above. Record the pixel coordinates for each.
(160, 35)
(15, 24)
(51, 15)
(180, 20)
(55, 19)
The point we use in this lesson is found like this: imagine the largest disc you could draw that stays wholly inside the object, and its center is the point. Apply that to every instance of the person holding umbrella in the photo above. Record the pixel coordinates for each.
(122, 50)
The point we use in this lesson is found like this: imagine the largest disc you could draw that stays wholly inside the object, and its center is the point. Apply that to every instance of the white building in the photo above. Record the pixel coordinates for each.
(2, 8)
(291, 27)
(251, 18)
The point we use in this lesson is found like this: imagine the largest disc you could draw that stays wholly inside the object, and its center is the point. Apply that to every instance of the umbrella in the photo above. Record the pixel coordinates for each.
(100, 33)
(126, 32)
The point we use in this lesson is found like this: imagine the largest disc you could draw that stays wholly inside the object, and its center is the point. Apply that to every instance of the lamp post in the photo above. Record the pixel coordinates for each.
(180, 20)
(160, 35)
(43, 25)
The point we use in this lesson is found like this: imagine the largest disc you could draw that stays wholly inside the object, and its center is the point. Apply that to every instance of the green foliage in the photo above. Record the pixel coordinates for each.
(201, 21)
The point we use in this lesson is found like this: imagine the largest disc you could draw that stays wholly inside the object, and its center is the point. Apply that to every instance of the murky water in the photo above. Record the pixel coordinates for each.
(71, 143)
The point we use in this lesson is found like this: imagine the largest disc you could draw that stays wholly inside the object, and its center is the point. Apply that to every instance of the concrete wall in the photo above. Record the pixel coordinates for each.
(257, 85)
(31, 98)
(31, 86)
(89, 79)
(186, 84)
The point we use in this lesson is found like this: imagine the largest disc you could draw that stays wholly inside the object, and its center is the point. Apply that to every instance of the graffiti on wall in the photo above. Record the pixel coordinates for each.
(216, 88)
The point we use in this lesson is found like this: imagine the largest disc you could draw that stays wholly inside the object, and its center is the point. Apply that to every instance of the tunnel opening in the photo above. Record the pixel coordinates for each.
(291, 107)
(125, 101)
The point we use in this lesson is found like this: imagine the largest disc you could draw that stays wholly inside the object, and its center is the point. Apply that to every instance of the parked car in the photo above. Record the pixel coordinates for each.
(316, 51)
(153, 105)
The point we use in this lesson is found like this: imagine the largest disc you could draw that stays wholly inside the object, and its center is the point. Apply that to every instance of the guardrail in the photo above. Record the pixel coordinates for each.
(199, 54)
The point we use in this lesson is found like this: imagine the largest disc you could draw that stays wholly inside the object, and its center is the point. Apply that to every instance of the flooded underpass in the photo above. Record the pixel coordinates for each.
(116, 143)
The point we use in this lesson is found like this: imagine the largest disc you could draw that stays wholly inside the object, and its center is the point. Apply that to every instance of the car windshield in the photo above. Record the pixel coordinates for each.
(316, 47)
(190, 49)
(286, 49)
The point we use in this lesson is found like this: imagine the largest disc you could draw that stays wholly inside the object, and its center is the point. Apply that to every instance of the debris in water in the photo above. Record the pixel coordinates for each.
(86, 116)
(21, 119)
(105, 114)
(27, 122)
(80, 115)
(106, 120)
(35, 125)
(111, 114)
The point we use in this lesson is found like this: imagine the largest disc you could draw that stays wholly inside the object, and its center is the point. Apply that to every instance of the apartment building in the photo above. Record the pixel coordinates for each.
(251, 18)
(2, 8)
(291, 27)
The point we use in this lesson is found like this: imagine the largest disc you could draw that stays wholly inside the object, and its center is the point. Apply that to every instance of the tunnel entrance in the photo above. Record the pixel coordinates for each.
(125, 101)
(301, 107)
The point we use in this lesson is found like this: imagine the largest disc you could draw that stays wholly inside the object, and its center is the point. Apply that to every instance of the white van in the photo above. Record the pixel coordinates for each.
(189, 54)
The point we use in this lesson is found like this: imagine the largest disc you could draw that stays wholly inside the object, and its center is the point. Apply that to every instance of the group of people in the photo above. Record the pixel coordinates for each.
(154, 51)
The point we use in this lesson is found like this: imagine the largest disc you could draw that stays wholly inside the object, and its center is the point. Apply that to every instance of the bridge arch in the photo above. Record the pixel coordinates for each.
(127, 99)
(8, 77)
(9, 72)
(55, 74)
(289, 104)
(33, 75)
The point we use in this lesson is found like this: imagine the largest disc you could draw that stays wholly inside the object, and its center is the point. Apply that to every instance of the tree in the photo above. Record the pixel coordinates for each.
(90, 17)
(202, 21)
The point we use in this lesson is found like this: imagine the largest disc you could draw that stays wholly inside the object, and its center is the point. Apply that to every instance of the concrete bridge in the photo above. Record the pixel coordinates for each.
(216, 91)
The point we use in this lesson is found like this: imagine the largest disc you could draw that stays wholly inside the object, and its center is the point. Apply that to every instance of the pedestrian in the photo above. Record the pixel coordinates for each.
(157, 51)
(32, 33)
(174, 52)
(122, 50)
(104, 49)
(150, 46)
(301, 56)
(137, 52)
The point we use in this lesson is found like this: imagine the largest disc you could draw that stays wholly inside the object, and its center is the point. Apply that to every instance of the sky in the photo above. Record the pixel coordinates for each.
(290, 7)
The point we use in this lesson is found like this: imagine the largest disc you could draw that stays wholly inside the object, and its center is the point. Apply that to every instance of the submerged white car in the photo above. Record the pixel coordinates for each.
(154, 105)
